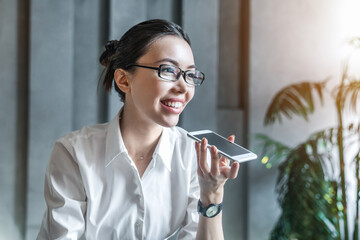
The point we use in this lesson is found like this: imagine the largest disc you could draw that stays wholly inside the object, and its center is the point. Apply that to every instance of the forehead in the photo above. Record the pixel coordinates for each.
(171, 47)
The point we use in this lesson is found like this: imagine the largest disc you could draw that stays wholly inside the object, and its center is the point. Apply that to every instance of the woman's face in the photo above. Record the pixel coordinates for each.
(153, 99)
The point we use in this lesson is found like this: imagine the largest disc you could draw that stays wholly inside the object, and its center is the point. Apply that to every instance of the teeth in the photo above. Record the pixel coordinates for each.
(173, 104)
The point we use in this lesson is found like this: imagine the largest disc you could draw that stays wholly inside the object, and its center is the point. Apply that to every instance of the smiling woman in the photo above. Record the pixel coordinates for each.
(147, 94)
(139, 176)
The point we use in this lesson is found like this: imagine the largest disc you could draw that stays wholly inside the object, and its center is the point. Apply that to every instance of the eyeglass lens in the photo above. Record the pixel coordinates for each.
(173, 73)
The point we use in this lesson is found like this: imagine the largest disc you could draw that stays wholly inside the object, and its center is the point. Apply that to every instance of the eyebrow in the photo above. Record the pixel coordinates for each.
(173, 62)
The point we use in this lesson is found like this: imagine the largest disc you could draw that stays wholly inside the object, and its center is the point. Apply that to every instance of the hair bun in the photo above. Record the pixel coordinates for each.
(111, 45)
(110, 49)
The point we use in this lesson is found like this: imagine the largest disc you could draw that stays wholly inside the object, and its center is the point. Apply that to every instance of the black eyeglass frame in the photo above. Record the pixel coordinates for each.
(182, 72)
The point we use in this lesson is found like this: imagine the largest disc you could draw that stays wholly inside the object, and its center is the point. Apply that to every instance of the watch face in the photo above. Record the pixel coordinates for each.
(211, 211)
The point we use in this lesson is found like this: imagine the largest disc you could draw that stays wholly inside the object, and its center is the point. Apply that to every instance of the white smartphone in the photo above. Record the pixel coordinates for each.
(224, 146)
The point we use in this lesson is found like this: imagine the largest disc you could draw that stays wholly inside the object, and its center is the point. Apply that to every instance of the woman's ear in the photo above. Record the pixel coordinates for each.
(121, 79)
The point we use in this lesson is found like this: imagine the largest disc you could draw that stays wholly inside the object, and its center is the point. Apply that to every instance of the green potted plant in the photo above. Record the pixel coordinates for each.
(311, 185)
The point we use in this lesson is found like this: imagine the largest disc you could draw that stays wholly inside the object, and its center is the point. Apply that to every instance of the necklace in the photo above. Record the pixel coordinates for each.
(138, 157)
(143, 155)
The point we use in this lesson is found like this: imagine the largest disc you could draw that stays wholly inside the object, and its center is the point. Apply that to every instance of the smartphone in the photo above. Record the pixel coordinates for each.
(225, 147)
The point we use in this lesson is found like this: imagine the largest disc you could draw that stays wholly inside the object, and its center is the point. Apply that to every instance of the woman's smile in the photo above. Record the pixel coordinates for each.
(174, 105)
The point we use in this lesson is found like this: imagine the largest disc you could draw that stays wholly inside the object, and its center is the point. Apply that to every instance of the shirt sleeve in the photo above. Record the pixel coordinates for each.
(65, 197)
(189, 229)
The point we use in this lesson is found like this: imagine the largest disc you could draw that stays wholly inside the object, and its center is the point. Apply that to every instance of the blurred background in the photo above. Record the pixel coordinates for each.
(248, 50)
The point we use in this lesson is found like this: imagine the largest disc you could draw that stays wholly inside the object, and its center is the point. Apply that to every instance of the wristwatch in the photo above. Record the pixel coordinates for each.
(210, 211)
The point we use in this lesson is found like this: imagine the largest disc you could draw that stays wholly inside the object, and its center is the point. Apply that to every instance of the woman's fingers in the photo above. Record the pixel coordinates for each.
(231, 138)
(197, 149)
(214, 161)
(234, 170)
(202, 158)
(224, 162)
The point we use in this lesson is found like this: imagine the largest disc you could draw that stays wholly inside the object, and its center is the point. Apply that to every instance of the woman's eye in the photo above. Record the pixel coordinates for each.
(168, 70)
(191, 75)
(194, 75)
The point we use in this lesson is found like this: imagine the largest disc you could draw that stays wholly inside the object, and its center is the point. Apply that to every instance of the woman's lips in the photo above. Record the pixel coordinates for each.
(174, 106)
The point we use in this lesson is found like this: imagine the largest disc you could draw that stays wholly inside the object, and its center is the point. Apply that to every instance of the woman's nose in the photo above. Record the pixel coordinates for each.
(181, 83)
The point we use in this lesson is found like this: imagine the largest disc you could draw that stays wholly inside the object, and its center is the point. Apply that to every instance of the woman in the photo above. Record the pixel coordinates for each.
(139, 176)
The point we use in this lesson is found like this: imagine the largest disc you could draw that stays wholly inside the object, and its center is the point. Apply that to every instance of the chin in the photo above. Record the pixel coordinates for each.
(170, 122)
(169, 125)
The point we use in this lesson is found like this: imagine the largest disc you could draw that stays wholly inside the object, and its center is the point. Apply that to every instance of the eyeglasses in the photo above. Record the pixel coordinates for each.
(173, 73)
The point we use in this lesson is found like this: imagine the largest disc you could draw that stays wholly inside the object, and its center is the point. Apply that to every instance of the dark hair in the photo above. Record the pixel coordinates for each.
(132, 45)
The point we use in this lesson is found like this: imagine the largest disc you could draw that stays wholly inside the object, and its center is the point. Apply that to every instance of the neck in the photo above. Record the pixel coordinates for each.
(140, 138)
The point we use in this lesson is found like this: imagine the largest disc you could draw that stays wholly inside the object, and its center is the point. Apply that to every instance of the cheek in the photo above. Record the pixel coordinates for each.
(145, 87)
(152, 92)
(191, 93)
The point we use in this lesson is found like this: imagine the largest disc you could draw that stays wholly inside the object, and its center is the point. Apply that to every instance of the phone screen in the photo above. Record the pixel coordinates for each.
(222, 144)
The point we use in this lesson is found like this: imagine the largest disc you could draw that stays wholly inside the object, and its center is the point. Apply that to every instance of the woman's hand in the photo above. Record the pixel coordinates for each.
(212, 179)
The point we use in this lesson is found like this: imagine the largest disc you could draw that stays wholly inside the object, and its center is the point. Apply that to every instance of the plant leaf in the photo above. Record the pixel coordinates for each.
(296, 99)
(307, 199)
(351, 93)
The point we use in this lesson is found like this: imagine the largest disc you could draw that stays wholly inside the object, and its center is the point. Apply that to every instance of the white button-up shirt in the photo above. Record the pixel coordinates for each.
(93, 189)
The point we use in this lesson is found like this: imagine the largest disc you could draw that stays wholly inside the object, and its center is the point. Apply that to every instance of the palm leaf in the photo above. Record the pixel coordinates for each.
(325, 139)
(306, 192)
(307, 199)
(351, 93)
(339, 90)
(311, 191)
(296, 99)
(304, 90)
(268, 147)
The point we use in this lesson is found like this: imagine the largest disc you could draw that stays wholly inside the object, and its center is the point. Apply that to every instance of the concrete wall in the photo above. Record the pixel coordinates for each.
(200, 21)
(52, 87)
(51, 93)
(10, 221)
(230, 114)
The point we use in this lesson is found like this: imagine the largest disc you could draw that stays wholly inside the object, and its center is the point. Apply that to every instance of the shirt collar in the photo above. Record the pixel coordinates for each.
(115, 145)
(165, 147)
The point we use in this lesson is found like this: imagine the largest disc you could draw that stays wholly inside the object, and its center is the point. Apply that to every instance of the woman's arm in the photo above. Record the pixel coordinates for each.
(65, 197)
(212, 180)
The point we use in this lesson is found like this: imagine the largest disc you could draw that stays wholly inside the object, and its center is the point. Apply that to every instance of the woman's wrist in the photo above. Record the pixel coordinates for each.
(208, 198)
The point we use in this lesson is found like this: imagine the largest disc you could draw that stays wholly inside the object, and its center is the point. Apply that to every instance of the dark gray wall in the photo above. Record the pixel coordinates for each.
(51, 88)
(10, 224)
(49, 75)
